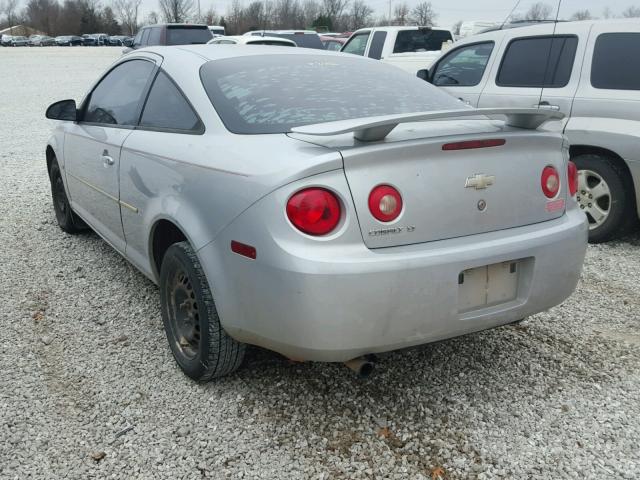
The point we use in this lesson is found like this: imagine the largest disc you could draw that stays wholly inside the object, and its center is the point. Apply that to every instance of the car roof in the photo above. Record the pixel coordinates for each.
(528, 28)
(282, 32)
(190, 25)
(395, 28)
(208, 52)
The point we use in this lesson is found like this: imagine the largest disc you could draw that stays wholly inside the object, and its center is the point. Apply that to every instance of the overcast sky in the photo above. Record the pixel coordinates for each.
(450, 11)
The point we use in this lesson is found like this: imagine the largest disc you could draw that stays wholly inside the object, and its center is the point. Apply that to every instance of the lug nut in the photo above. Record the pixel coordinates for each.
(589, 205)
(590, 196)
(582, 207)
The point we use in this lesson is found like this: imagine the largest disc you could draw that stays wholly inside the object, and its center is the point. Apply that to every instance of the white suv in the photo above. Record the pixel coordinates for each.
(587, 70)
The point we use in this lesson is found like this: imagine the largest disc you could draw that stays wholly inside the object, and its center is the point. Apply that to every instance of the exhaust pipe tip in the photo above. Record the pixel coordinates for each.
(362, 366)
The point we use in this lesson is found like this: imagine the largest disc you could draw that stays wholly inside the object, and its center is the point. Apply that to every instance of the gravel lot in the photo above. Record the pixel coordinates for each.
(83, 357)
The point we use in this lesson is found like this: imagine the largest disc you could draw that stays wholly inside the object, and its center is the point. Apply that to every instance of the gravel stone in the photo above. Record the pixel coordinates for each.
(557, 396)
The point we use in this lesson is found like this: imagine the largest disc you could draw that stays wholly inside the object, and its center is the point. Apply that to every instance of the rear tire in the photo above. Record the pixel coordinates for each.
(199, 344)
(67, 219)
(604, 195)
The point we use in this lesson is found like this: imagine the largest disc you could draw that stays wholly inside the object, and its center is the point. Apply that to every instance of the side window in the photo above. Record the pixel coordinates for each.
(154, 36)
(145, 37)
(117, 97)
(615, 61)
(166, 108)
(357, 44)
(138, 39)
(538, 62)
(377, 42)
(464, 66)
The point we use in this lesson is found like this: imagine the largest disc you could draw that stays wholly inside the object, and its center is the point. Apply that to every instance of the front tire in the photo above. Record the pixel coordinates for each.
(199, 344)
(604, 196)
(66, 217)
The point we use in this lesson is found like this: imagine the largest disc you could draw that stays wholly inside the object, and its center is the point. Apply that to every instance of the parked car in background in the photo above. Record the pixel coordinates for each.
(95, 39)
(69, 40)
(251, 40)
(5, 40)
(409, 48)
(302, 38)
(170, 34)
(582, 69)
(217, 30)
(118, 40)
(19, 41)
(42, 41)
(333, 42)
(330, 223)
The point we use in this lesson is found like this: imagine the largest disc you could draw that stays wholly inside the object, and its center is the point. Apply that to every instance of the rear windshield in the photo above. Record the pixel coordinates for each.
(274, 93)
(185, 35)
(424, 40)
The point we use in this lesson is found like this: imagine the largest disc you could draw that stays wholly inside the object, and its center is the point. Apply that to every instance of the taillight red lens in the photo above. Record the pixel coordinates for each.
(550, 181)
(315, 211)
(385, 203)
(572, 175)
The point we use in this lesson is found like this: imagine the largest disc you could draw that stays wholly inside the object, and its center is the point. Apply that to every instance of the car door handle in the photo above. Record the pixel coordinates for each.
(107, 160)
(547, 106)
(466, 102)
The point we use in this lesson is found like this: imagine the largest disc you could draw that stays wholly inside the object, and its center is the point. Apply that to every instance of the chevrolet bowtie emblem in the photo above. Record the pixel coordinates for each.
(479, 181)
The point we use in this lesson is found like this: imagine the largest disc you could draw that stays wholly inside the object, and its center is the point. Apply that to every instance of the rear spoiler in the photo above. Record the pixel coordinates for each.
(371, 129)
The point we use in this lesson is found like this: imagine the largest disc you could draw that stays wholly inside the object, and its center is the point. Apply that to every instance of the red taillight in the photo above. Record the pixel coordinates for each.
(385, 203)
(550, 181)
(572, 176)
(315, 211)
(494, 142)
(243, 249)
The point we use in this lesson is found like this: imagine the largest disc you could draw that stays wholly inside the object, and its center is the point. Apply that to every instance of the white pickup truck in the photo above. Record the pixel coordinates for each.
(409, 48)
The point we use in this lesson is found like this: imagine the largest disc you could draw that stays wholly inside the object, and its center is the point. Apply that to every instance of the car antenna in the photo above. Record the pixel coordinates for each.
(510, 13)
(546, 69)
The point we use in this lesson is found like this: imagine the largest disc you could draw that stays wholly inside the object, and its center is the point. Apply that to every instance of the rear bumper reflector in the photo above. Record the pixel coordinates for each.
(243, 249)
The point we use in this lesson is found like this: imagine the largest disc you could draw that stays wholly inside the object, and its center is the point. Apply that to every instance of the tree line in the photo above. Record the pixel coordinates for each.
(60, 17)
(322, 15)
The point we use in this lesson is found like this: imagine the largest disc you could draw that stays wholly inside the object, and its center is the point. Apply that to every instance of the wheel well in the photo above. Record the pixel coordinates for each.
(50, 158)
(616, 159)
(165, 234)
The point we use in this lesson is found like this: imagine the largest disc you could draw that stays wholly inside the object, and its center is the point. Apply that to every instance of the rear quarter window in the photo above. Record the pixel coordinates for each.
(167, 108)
(616, 64)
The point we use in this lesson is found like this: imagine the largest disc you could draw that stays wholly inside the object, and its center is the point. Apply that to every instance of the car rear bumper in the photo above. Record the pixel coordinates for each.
(370, 301)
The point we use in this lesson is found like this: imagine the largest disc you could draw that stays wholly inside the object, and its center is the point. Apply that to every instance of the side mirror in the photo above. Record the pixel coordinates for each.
(63, 110)
(127, 42)
(424, 75)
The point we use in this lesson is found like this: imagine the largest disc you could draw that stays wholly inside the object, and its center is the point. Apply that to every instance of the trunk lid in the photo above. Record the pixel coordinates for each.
(443, 192)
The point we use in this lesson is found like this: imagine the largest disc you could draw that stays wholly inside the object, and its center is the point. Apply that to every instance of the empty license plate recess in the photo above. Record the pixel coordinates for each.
(487, 286)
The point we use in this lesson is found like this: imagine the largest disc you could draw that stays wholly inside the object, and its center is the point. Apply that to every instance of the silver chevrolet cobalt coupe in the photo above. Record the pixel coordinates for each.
(322, 220)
